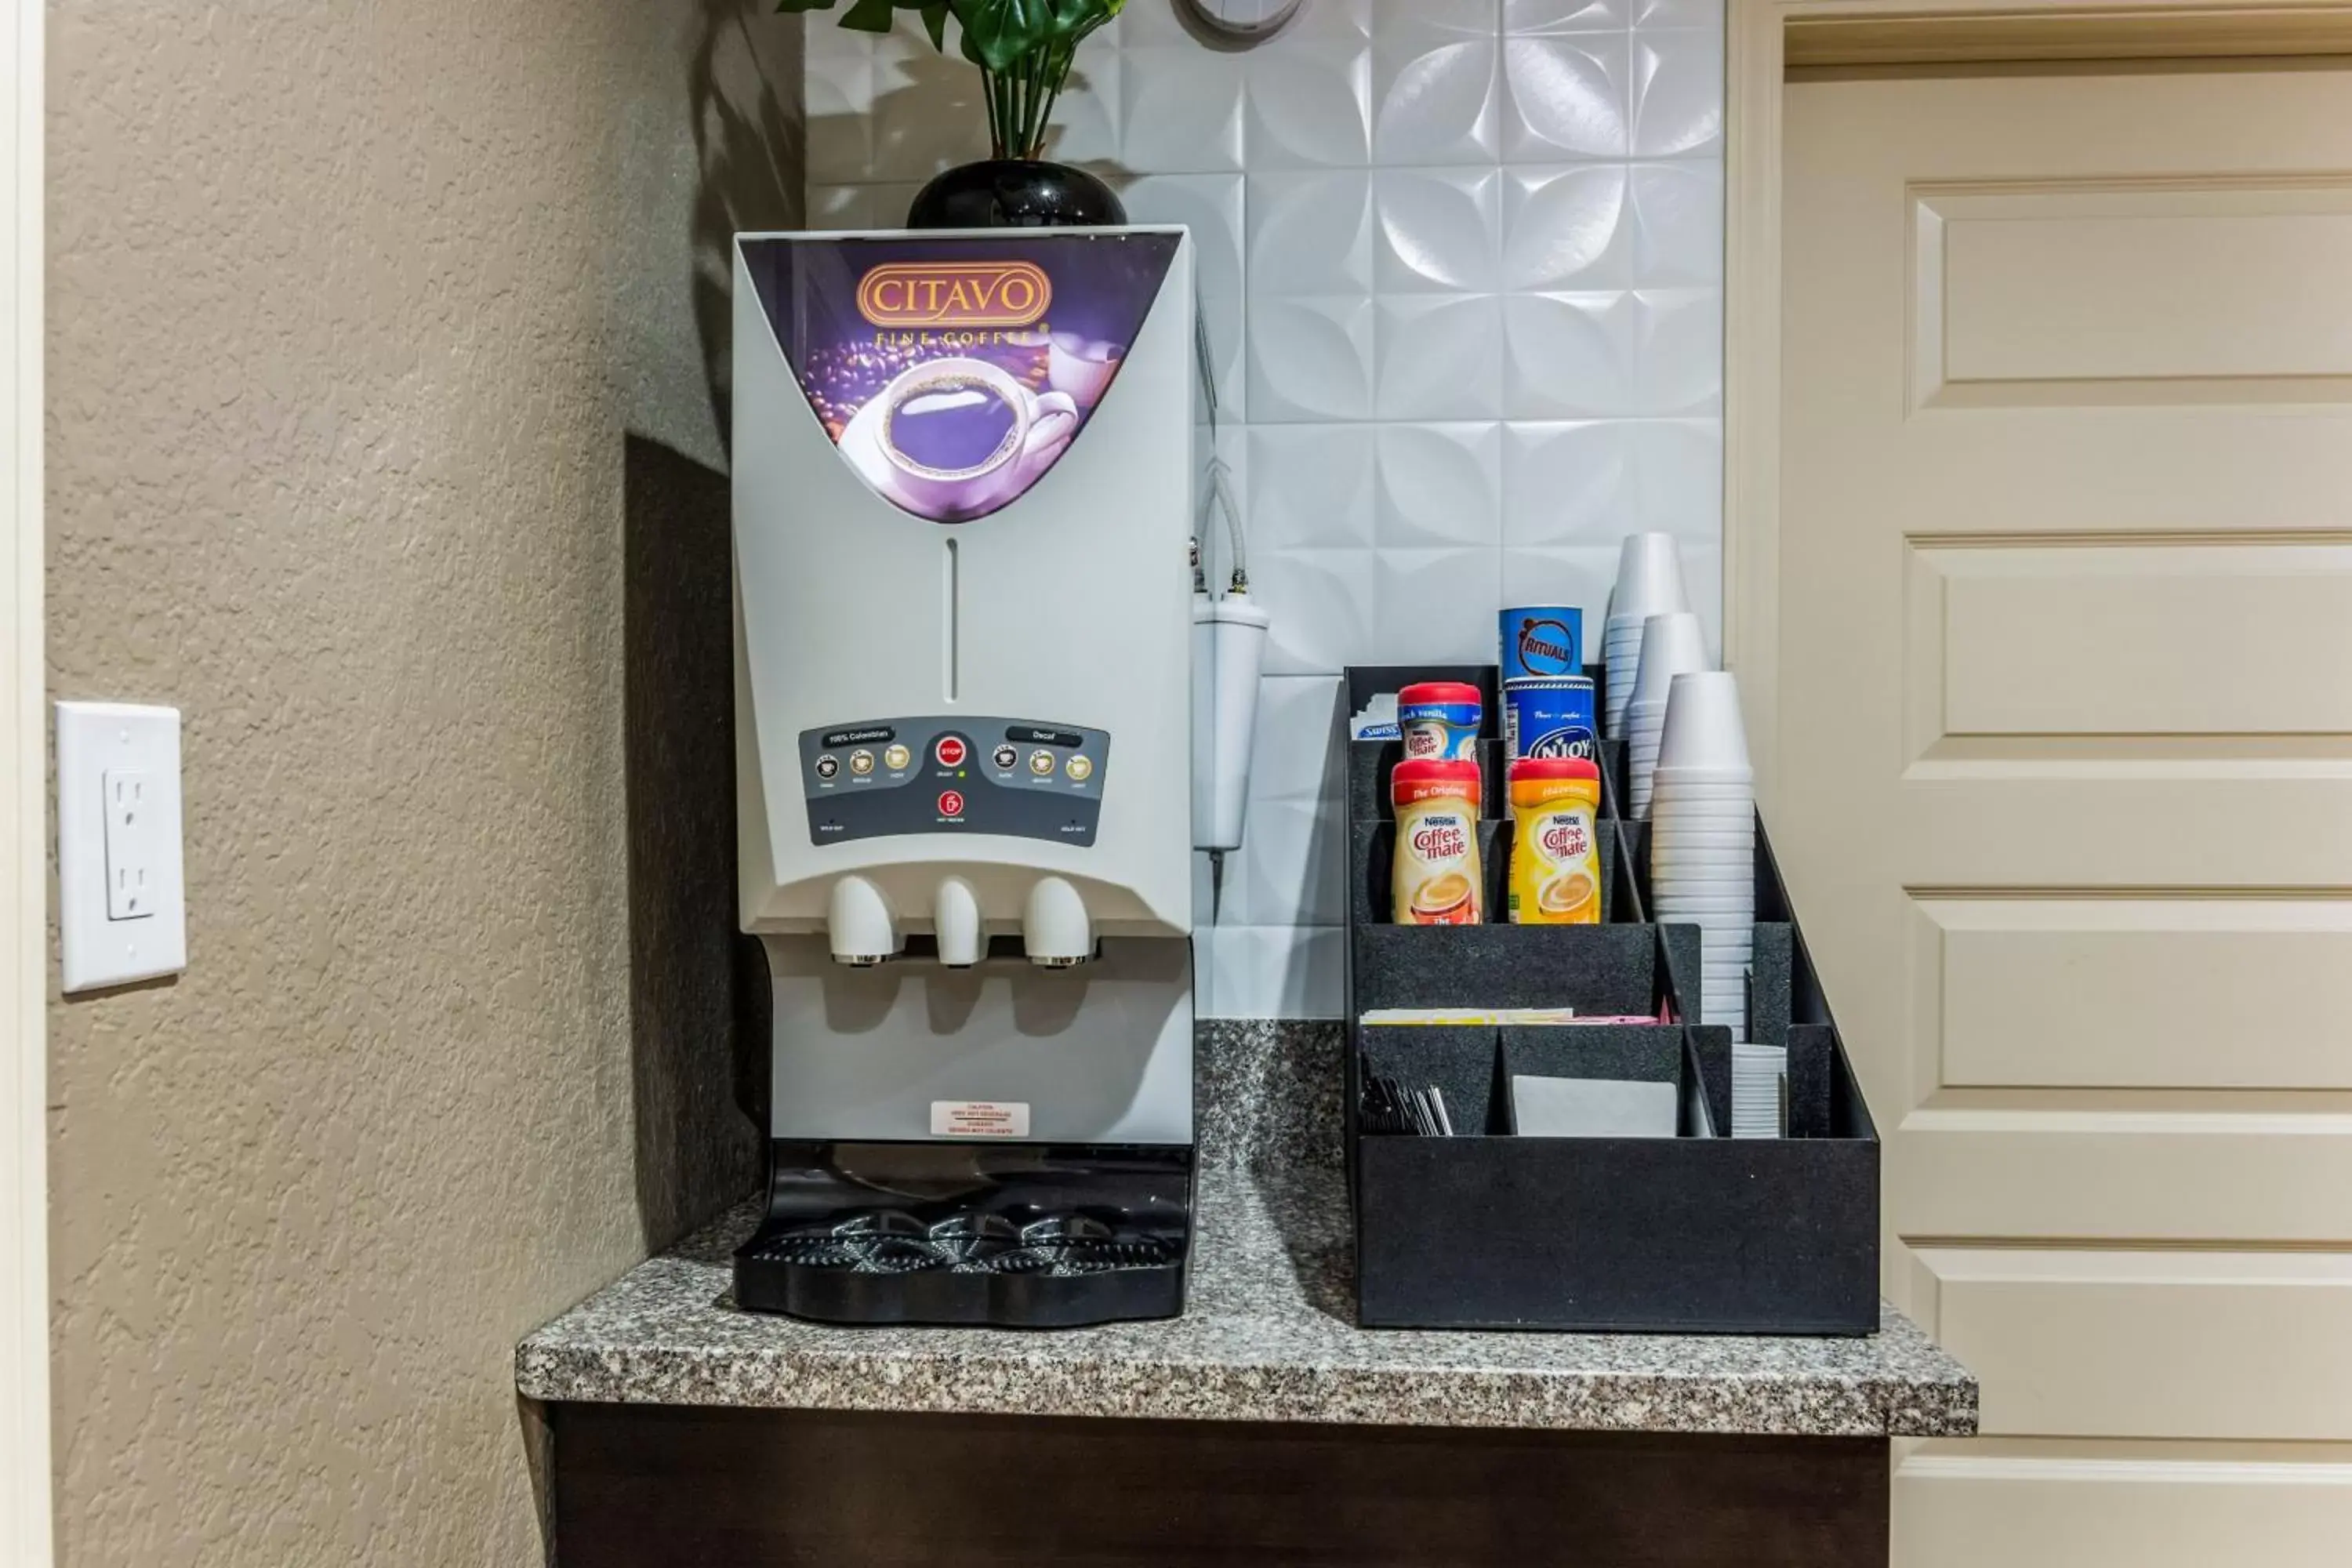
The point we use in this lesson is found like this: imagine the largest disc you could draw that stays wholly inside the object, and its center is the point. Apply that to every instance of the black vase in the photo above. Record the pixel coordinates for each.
(1016, 193)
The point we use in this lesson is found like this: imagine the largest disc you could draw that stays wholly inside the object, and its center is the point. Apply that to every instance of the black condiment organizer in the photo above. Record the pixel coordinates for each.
(1700, 1232)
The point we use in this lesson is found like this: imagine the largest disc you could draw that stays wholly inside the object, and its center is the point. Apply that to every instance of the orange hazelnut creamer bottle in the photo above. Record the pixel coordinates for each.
(1555, 859)
(1435, 881)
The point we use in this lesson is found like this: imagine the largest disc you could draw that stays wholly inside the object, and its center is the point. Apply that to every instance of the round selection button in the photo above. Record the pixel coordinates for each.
(952, 751)
(861, 763)
(1041, 763)
(950, 803)
(1079, 768)
(897, 757)
(827, 765)
(1005, 756)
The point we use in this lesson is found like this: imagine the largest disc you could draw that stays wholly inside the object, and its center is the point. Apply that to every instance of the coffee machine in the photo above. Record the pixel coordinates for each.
(963, 679)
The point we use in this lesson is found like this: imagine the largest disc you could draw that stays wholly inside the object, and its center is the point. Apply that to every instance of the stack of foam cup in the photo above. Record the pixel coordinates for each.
(1702, 858)
(1671, 646)
(1649, 583)
(1758, 1075)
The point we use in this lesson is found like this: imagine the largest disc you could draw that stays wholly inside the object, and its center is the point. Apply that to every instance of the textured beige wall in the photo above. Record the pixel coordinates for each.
(352, 309)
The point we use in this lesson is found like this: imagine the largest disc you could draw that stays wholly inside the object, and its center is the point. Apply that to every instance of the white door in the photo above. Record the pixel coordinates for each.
(2064, 777)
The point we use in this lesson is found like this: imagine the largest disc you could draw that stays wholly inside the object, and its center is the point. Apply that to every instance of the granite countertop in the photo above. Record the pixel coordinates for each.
(1268, 1335)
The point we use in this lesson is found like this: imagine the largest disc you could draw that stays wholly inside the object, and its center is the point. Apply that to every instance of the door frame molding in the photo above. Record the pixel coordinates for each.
(24, 863)
(25, 1476)
(1888, 32)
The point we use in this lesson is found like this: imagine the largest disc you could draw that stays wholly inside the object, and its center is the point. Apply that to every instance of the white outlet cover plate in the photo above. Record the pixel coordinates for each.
(95, 739)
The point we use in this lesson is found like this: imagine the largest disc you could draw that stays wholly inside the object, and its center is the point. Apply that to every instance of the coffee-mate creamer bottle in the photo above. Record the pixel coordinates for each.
(1555, 857)
(1435, 881)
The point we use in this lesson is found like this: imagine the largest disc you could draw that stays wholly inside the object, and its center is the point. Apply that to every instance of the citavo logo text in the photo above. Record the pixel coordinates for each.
(954, 294)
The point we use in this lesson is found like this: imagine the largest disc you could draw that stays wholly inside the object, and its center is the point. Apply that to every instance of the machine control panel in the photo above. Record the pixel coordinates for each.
(884, 777)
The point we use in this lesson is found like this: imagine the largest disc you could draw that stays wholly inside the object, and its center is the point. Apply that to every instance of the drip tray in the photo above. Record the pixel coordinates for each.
(892, 1242)
(1019, 1235)
(1021, 1269)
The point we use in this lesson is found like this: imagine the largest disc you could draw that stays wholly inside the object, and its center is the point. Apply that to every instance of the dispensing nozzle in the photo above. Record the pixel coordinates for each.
(955, 917)
(858, 919)
(1054, 926)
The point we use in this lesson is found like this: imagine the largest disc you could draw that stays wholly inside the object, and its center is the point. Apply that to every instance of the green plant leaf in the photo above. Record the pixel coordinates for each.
(877, 15)
(998, 32)
(1074, 19)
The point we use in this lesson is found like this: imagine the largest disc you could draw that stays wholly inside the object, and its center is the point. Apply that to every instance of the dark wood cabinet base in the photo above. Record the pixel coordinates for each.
(692, 1487)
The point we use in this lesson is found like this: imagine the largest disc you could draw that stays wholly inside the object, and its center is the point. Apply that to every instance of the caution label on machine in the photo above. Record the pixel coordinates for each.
(979, 1118)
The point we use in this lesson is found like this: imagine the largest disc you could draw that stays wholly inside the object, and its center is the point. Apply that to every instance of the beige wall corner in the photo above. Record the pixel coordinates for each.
(382, 440)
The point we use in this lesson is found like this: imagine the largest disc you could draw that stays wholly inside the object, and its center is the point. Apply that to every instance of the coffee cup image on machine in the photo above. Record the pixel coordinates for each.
(952, 438)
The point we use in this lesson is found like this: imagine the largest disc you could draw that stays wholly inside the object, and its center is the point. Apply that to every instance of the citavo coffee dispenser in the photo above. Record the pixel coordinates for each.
(963, 517)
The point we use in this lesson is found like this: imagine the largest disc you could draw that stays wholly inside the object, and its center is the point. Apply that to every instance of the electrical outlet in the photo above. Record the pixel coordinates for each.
(121, 907)
(131, 849)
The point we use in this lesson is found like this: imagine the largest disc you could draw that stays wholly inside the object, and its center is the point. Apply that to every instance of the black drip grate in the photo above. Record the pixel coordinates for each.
(891, 1241)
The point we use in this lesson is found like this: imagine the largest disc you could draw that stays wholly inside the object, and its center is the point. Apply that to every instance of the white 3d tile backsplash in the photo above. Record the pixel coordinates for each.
(1462, 265)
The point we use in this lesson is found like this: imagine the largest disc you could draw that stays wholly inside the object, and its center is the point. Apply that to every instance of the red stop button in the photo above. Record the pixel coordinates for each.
(952, 751)
(950, 803)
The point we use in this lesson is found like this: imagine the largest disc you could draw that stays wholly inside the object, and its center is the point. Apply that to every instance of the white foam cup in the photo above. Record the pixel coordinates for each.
(1649, 578)
(1703, 724)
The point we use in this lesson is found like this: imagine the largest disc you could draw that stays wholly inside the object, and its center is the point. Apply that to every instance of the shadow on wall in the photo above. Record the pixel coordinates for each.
(749, 153)
(698, 988)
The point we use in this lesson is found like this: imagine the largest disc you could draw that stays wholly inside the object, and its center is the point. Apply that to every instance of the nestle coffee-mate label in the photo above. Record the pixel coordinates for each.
(1435, 879)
